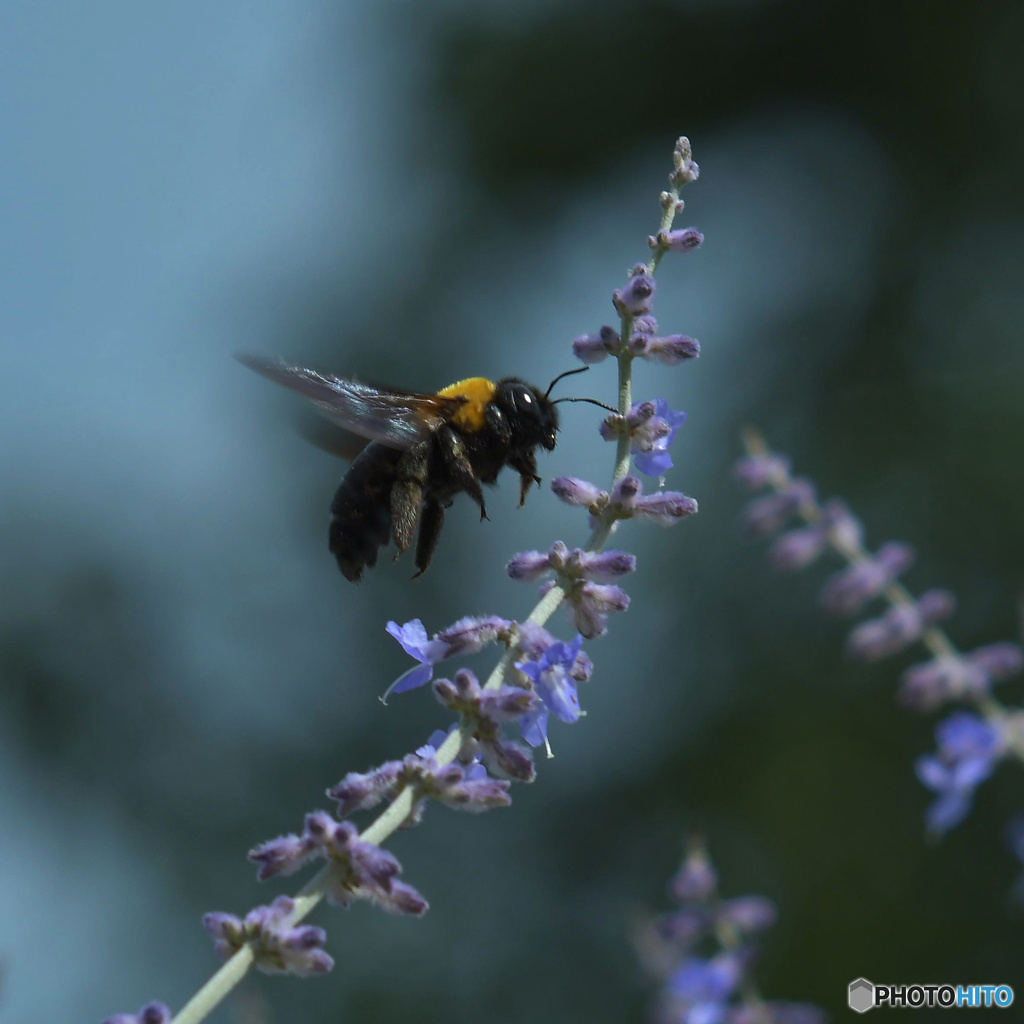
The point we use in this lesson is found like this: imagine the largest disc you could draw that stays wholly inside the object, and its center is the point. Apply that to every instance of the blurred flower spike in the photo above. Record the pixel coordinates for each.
(702, 953)
(970, 744)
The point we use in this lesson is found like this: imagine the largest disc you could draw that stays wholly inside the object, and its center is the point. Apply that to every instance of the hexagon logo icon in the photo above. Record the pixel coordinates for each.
(862, 995)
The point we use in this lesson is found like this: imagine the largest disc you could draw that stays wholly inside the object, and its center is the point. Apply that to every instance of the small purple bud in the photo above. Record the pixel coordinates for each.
(696, 880)
(638, 294)
(935, 605)
(605, 566)
(757, 471)
(680, 240)
(845, 530)
(998, 661)
(507, 703)
(528, 566)
(473, 634)
(749, 913)
(574, 491)
(848, 590)
(612, 427)
(929, 684)
(358, 791)
(282, 856)
(797, 548)
(624, 495)
(684, 167)
(151, 1013)
(592, 348)
(664, 508)
(670, 350)
(646, 324)
(686, 925)
(467, 685)
(766, 515)
(879, 638)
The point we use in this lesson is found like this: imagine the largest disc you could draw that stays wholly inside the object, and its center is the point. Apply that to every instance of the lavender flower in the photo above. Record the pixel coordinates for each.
(151, 1013)
(467, 636)
(552, 679)
(651, 427)
(968, 749)
(277, 946)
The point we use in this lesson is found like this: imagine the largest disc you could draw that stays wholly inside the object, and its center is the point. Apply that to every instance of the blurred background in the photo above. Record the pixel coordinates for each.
(419, 191)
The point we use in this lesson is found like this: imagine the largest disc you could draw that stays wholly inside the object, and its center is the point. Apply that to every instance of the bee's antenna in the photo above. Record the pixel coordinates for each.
(592, 401)
(568, 373)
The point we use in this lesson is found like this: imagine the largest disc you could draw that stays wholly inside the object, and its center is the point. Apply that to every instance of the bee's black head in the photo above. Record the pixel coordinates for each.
(531, 415)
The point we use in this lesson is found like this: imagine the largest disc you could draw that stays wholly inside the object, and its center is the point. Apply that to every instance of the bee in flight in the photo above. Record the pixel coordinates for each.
(423, 450)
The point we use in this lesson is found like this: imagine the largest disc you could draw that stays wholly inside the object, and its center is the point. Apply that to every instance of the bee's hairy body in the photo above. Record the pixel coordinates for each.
(390, 491)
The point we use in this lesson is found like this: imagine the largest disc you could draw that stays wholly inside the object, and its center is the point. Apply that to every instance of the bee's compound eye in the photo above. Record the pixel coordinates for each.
(525, 402)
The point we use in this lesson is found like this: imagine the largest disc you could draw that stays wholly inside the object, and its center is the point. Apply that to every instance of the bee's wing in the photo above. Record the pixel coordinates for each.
(398, 419)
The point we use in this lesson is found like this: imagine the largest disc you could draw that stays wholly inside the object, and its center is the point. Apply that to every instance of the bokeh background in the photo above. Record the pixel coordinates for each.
(416, 191)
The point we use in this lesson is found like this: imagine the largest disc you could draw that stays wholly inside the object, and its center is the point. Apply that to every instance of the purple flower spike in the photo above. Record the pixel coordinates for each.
(278, 947)
(848, 590)
(415, 642)
(151, 1013)
(592, 348)
(653, 434)
(635, 299)
(552, 679)
(968, 749)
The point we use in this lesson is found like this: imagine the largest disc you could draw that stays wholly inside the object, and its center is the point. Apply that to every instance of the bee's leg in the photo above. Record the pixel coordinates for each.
(525, 464)
(407, 494)
(431, 521)
(453, 454)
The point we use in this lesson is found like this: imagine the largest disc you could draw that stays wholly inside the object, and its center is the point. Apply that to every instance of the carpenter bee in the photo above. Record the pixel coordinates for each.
(424, 449)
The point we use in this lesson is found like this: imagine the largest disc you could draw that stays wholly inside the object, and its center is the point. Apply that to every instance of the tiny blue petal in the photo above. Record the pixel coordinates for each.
(534, 726)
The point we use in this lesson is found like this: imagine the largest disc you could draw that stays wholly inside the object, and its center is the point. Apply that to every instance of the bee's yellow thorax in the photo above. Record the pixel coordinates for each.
(477, 391)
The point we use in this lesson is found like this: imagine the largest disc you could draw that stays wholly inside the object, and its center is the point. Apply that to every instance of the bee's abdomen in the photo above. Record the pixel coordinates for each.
(361, 510)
